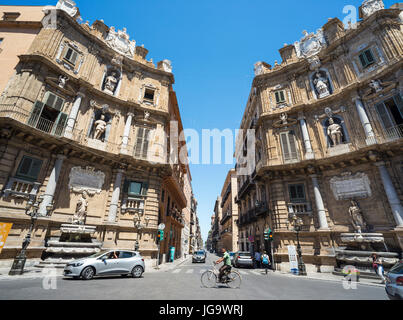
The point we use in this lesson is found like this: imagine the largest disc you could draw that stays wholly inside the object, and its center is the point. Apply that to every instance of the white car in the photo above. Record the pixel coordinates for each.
(107, 263)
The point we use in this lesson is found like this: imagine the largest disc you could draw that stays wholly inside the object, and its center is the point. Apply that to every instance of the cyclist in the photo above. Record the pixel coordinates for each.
(226, 268)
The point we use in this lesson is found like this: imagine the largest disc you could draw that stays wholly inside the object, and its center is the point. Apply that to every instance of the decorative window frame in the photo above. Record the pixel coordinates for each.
(376, 52)
(142, 99)
(64, 46)
(287, 97)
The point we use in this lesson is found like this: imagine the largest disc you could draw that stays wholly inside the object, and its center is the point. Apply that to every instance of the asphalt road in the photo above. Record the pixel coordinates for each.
(183, 283)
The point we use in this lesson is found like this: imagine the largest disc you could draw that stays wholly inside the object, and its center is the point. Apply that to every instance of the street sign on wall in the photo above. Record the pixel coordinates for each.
(292, 255)
(4, 231)
(251, 239)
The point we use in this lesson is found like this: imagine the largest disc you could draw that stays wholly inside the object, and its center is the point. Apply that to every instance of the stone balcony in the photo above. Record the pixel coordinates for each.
(300, 208)
(22, 189)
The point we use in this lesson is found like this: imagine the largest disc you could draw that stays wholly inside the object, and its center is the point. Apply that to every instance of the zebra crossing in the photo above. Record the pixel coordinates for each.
(189, 271)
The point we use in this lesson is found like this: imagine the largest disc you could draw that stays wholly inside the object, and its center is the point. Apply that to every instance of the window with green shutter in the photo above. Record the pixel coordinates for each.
(53, 101)
(29, 168)
(366, 58)
(280, 96)
(135, 188)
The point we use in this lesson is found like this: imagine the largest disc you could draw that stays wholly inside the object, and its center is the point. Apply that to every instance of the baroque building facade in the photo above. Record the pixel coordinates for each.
(83, 126)
(329, 130)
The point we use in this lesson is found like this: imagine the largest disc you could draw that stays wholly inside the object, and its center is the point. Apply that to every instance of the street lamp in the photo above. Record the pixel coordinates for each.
(298, 223)
(31, 210)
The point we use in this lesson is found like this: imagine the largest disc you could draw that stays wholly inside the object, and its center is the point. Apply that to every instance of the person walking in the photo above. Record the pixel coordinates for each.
(257, 259)
(377, 264)
(265, 261)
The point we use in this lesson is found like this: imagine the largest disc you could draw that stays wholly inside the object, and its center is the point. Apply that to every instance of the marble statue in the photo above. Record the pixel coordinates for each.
(81, 209)
(357, 218)
(321, 85)
(62, 81)
(111, 82)
(376, 85)
(100, 127)
(335, 132)
(284, 118)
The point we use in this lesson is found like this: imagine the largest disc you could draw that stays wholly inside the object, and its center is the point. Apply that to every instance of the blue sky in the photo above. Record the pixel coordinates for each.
(213, 45)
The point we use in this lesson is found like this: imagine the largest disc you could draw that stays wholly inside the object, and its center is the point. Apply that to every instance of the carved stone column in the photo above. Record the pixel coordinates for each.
(73, 115)
(307, 141)
(369, 132)
(126, 133)
(323, 225)
(113, 208)
(394, 200)
(51, 186)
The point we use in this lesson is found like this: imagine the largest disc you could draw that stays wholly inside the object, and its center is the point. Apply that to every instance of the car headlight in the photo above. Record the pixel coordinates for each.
(78, 264)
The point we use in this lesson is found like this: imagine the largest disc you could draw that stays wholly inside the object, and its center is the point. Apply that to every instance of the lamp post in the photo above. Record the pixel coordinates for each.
(298, 223)
(31, 210)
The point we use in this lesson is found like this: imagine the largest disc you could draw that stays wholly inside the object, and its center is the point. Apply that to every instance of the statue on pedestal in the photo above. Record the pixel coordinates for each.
(335, 132)
(81, 210)
(357, 218)
(100, 127)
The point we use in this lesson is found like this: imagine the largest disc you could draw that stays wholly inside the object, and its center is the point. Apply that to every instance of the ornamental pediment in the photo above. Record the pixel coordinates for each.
(369, 7)
(120, 42)
(311, 44)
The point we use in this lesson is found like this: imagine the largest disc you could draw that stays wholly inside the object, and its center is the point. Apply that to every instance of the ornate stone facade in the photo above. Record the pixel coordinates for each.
(338, 95)
(87, 116)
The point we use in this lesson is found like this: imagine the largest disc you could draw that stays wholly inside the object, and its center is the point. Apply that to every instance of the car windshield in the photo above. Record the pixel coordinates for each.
(98, 254)
(231, 254)
(397, 269)
(200, 252)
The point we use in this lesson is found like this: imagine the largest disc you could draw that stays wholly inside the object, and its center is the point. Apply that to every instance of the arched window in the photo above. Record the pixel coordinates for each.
(339, 121)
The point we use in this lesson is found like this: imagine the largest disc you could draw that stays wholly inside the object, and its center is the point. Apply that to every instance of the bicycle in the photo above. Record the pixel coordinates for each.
(209, 279)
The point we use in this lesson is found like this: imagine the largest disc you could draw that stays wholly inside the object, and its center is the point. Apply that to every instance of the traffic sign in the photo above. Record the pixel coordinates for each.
(161, 226)
(4, 231)
(251, 239)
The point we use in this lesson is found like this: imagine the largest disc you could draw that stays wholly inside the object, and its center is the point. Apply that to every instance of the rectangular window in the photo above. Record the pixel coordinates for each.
(366, 58)
(289, 146)
(136, 189)
(71, 56)
(29, 168)
(391, 112)
(11, 16)
(149, 95)
(297, 193)
(142, 141)
(280, 96)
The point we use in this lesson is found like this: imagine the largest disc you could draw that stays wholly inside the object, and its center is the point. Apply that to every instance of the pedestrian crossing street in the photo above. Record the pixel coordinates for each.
(189, 271)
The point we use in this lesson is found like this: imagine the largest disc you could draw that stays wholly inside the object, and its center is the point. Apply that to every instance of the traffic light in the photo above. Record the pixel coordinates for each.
(268, 235)
(160, 235)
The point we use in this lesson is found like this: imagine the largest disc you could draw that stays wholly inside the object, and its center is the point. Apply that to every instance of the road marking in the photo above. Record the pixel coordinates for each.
(243, 272)
(177, 271)
(190, 271)
(258, 273)
(203, 271)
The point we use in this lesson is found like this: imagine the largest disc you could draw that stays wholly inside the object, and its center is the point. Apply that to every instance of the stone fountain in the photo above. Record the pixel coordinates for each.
(358, 247)
(75, 241)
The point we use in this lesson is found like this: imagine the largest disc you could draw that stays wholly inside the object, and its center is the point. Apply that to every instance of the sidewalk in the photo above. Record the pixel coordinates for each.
(34, 273)
(328, 277)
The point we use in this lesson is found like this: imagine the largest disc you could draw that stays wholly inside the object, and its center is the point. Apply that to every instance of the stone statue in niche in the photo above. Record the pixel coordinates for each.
(100, 127)
(111, 82)
(335, 132)
(81, 209)
(284, 118)
(321, 84)
(357, 218)
(376, 85)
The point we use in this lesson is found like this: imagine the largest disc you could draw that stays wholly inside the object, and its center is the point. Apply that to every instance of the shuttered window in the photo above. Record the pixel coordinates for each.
(29, 168)
(142, 142)
(280, 97)
(366, 58)
(71, 56)
(53, 101)
(289, 146)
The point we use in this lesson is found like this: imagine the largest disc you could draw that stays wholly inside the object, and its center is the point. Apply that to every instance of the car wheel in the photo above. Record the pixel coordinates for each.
(88, 273)
(137, 272)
